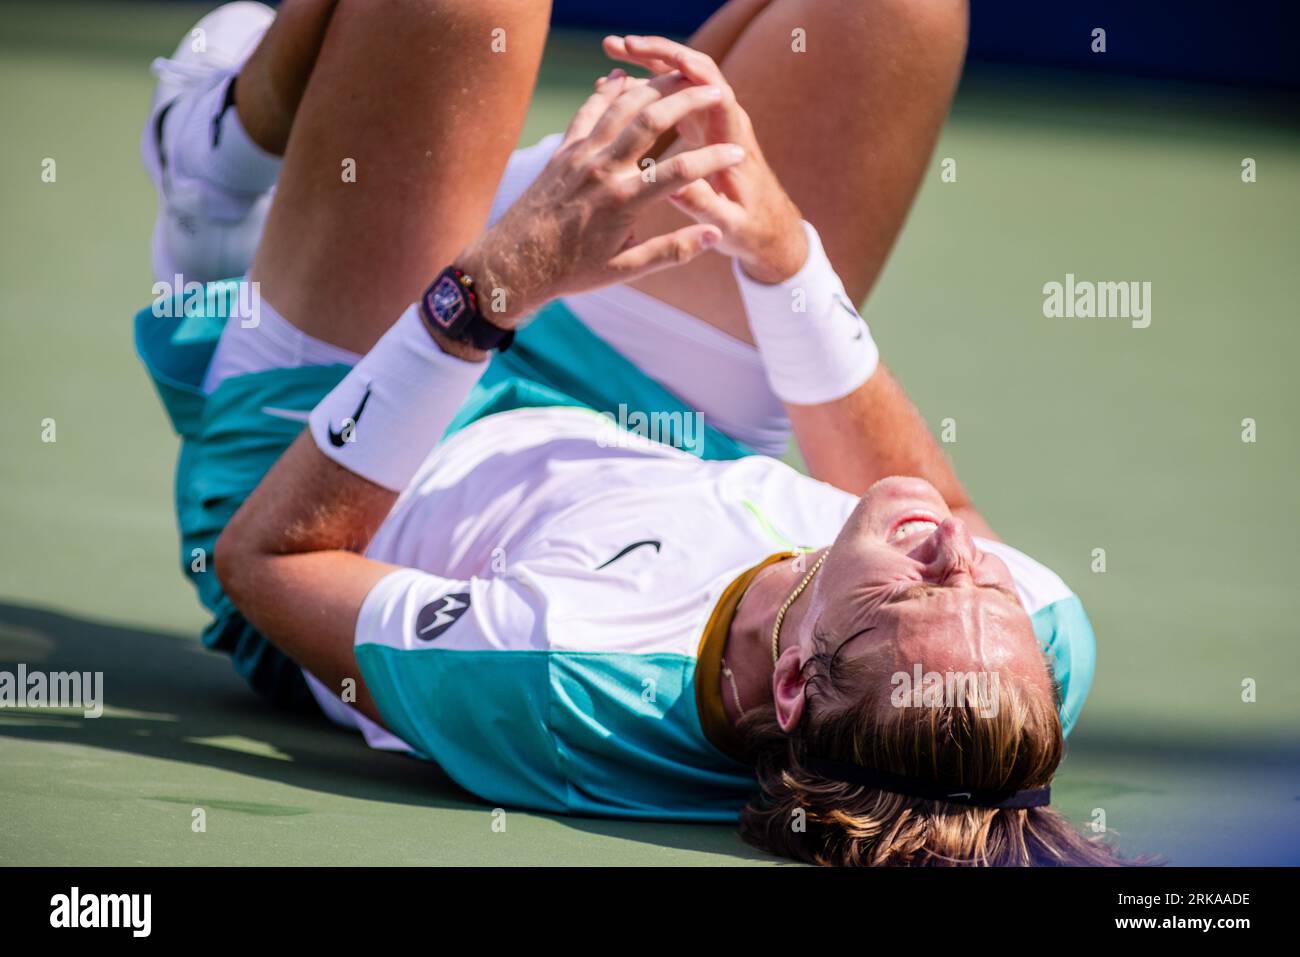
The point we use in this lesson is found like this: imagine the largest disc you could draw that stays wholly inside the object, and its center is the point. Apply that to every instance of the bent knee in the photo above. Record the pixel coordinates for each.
(931, 30)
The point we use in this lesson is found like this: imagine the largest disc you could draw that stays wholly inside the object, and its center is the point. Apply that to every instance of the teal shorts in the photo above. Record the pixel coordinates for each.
(229, 441)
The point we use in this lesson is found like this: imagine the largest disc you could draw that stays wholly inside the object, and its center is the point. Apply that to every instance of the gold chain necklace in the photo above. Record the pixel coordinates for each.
(780, 615)
(735, 692)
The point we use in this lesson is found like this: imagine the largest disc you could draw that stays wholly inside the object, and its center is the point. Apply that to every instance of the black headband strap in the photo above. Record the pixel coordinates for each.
(929, 790)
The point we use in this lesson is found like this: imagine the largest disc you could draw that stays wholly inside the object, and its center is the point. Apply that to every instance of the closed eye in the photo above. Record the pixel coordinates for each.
(924, 589)
(1009, 592)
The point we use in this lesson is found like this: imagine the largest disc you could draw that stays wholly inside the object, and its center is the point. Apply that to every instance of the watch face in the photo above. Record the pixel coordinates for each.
(446, 302)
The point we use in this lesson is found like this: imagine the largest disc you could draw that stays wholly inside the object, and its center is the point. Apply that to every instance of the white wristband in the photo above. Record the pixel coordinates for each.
(389, 412)
(815, 346)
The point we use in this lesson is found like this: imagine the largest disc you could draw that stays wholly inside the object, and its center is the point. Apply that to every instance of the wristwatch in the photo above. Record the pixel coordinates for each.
(451, 307)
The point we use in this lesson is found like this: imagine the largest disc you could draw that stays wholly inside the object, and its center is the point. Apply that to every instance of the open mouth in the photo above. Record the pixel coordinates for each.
(911, 524)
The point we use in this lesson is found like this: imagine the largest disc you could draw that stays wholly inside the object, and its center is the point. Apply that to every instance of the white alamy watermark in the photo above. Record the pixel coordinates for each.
(1084, 299)
(947, 689)
(53, 689)
(224, 299)
(681, 430)
(75, 909)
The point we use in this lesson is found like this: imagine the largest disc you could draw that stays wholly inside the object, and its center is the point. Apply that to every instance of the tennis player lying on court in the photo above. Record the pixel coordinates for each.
(471, 564)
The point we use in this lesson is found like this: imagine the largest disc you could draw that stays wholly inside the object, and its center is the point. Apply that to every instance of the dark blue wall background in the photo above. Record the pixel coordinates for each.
(1216, 40)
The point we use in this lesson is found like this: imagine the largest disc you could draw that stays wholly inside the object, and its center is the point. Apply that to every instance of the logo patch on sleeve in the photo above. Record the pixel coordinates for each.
(439, 615)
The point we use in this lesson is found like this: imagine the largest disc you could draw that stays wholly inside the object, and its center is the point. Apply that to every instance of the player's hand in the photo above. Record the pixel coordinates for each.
(760, 224)
(571, 230)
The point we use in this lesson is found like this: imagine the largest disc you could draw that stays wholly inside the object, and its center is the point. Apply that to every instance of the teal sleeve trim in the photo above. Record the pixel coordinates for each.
(1066, 636)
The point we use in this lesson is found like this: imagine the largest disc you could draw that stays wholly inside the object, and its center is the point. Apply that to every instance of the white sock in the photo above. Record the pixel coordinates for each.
(235, 165)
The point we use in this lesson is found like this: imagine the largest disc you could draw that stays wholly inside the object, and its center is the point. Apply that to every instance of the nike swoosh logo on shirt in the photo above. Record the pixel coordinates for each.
(337, 438)
(631, 548)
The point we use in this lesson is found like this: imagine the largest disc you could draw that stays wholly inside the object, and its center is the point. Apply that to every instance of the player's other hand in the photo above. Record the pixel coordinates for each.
(571, 230)
(760, 224)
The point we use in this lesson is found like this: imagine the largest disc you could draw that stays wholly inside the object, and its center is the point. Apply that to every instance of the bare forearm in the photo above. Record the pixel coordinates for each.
(290, 559)
(308, 503)
(872, 433)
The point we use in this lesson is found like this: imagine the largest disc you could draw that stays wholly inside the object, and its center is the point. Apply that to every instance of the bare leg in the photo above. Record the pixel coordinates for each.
(419, 99)
(848, 126)
(271, 83)
(412, 93)
(720, 32)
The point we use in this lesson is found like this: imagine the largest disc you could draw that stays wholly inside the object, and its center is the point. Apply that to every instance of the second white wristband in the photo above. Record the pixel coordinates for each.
(815, 347)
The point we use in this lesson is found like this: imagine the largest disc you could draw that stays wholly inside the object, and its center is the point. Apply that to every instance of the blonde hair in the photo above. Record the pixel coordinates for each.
(848, 717)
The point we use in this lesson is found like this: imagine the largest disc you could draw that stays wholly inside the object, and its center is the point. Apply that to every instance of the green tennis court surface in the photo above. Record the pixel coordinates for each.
(1073, 435)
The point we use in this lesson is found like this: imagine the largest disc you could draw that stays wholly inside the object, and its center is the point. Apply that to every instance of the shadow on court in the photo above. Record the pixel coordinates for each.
(168, 698)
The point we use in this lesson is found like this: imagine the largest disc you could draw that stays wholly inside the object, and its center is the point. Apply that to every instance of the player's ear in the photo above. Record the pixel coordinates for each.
(788, 683)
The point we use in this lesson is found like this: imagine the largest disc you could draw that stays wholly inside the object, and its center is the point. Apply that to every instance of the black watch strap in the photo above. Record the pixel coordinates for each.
(451, 305)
